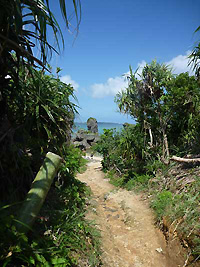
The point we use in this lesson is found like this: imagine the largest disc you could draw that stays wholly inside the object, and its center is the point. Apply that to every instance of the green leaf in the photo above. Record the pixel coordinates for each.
(6, 261)
(37, 112)
(40, 258)
(47, 131)
(31, 260)
(49, 113)
(59, 261)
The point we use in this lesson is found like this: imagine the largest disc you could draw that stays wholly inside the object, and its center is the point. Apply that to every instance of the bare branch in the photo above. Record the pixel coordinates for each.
(178, 159)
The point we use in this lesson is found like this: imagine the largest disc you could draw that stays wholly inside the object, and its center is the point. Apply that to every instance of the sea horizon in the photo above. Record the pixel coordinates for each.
(101, 126)
(100, 122)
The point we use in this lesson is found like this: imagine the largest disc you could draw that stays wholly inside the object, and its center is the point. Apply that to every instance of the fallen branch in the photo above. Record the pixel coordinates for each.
(186, 261)
(115, 168)
(178, 159)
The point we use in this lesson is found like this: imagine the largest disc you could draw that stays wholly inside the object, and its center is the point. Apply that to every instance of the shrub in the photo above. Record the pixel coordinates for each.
(162, 201)
(39, 119)
(61, 236)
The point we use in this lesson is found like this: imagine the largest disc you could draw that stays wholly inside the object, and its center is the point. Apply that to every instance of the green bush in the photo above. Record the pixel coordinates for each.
(53, 241)
(40, 114)
(61, 235)
(114, 179)
(122, 151)
(138, 182)
(162, 202)
(73, 161)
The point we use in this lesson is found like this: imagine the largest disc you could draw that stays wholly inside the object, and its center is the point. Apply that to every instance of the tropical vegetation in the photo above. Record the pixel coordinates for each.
(36, 109)
(166, 110)
(37, 114)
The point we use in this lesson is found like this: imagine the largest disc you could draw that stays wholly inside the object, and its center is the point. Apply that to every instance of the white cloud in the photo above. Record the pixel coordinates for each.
(139, 68)
(114, 85)
(111, 87)
(179, 64)
(67, 79)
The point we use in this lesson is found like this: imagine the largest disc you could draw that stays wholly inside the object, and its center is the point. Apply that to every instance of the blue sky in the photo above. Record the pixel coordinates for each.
(114, 34)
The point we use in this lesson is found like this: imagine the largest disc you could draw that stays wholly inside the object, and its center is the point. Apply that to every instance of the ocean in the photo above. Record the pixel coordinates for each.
(101, 126)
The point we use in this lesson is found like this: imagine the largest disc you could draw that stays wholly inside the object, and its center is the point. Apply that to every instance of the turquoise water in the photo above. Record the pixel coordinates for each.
(101, 126)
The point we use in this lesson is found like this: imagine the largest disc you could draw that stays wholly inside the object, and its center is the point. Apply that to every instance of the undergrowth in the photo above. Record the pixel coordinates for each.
(61, 236)
(138, 182)
(181, 207)
(171, 197)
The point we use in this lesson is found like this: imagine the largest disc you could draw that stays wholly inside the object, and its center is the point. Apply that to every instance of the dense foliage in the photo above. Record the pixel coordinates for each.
(61, 236)
(37, 114)
(40, 114)
(39, 117)
(121, 151)
(24, 28)
(165, 106)
(36, 108)
(166, 109)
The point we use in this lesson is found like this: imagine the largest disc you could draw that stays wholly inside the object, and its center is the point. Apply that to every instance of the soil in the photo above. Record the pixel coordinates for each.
(129, 235)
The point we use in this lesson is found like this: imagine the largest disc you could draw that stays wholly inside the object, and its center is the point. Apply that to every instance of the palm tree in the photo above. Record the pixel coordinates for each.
(195, 57)
(23, 24)
(16, 19)
(143, 101)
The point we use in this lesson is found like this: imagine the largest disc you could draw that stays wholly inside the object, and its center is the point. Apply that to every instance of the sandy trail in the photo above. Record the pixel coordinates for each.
(129, 237)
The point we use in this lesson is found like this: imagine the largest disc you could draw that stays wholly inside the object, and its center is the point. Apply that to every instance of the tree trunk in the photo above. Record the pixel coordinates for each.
(151, 137)
(165, 144)
(38, 192)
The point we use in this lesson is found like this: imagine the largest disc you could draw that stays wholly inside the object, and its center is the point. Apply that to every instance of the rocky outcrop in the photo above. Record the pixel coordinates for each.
(85, 140)
(92, 125)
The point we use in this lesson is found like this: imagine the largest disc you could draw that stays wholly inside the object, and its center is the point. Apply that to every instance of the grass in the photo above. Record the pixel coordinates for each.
(138, 182)
(83, 169)
(76, 236)
(183, 209)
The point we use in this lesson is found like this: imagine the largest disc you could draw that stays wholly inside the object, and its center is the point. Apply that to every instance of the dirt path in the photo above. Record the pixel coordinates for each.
(129, 237)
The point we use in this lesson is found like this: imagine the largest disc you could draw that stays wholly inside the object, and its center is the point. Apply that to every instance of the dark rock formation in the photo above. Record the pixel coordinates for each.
(83, 145)
(92, 125)
(85, 140)
(80, 135)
